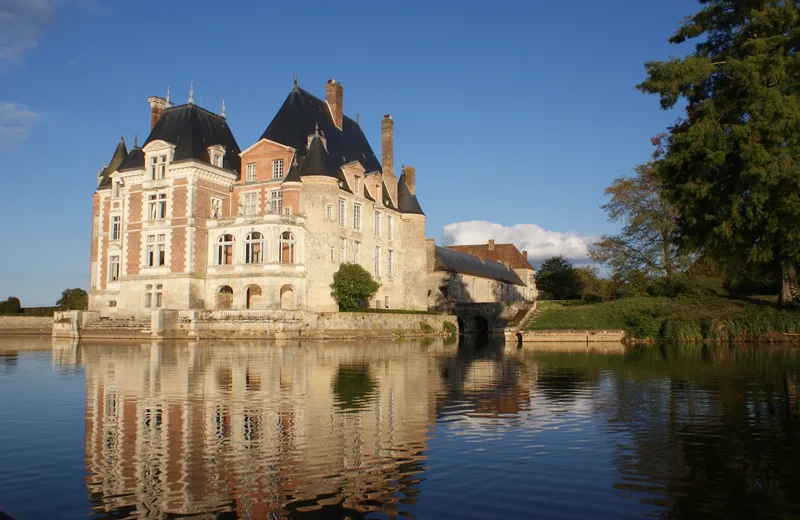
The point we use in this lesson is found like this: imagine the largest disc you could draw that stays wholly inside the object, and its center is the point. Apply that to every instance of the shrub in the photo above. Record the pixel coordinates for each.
(450, 328)
(73, 300)
(427, 329)
(353, 287)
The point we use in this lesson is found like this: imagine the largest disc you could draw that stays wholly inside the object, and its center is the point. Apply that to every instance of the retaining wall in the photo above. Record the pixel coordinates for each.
(26, 324)
(572, 336)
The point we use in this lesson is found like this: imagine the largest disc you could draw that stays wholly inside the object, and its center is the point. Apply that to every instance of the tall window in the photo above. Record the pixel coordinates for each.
(377, 262)
(158, 167)
(157, 203)
(286, 248)
(250, 172)
(356, 185)
(378, 222)
(113, 268)
(116, 227)
(390, 263)
(153, 295)
(277, 169)
(156, 253)
(390, 227)
(254, 248)
(115, 192)
(356, 252)
(329, 212)
(357, 217)
(275, 201)
(342, 212)
(225, 250)
(250, 203)
(342, 250)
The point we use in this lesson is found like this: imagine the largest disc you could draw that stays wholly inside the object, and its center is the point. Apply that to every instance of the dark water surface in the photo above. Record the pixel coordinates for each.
(397, 429)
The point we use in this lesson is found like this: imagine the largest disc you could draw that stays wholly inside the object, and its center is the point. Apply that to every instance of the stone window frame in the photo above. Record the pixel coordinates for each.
(275, 203)
(249, 203)
(157, 169)
(357, 214)
(250, 172)
(157, 205)
(357, 252)
(377, 267)
(251, 256)
(155, 250)
(342, 250)
(277, 169)
(224, 249)
(378, 223)
(212, 206)
(113, 274)
(390, 261)
(389, 227)
(116, 228)
(342, 212)
(153, 296)
(329, 211)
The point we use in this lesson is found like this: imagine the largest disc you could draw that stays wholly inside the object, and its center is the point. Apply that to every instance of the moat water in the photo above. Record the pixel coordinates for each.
(417, 429)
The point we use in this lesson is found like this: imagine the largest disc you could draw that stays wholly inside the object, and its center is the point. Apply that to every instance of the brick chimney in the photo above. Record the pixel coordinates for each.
(491, 245)
(525, 254)
(387, 156)
(157, 107)
(411, 178)
(334, 95)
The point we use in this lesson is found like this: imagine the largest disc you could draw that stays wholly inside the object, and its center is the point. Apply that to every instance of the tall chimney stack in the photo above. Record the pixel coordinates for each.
(411, 178)
(525, 254)
(157, 107)
(387, 156)
(491, 245)
(334, 95)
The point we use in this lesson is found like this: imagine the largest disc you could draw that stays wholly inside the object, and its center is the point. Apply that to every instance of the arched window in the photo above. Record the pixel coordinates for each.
(254, 248)
(286, 250)
(225, 250)
(225, 297)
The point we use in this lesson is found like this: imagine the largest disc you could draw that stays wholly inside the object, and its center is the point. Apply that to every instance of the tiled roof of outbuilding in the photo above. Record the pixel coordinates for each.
(457, 262)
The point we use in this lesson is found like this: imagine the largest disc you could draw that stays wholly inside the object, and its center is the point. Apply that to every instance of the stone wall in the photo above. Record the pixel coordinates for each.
(572, 336)
(362, 324)
(26, 324)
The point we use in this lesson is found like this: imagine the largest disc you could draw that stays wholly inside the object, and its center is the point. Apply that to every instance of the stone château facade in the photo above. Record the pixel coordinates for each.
(189, 221)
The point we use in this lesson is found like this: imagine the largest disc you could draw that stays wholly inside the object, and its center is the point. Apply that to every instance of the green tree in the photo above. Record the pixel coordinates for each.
(11, 305)
(647, 242)
(593, 288)
(730, 165)
(352, 287)
(558, 277)
(73, 300)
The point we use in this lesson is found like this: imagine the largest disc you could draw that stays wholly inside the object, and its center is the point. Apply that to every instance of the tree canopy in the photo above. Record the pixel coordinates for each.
(557, 276)
(729, 165)
(647, 240)
(11, 305)
(353, 287)
(74, 300)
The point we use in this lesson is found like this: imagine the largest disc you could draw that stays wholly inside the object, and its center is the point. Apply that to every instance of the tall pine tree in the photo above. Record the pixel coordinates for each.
(730, 166)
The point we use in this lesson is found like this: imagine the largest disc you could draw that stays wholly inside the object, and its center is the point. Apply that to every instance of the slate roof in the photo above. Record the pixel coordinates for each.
(192, 130)
(503, 253)
(134, 160)
(407, 203)
(457, 262)
(120, 153)
(299, 116)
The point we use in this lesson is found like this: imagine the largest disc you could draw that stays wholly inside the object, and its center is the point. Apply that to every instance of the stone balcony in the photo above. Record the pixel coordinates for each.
(268, 218)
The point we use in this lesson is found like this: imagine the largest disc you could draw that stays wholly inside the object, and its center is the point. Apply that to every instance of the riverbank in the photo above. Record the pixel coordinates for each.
(683, 319)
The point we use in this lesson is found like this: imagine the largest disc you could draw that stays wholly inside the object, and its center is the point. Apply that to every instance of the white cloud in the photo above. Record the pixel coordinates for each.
(540, 243)
(16, 124)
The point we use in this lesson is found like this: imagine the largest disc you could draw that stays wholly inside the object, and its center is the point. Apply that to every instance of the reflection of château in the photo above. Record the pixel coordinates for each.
(183, 429)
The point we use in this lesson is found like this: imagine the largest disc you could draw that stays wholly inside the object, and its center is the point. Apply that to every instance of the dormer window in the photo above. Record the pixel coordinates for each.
(115, 189)
(356, 184)
(216, 155)
(158, 166)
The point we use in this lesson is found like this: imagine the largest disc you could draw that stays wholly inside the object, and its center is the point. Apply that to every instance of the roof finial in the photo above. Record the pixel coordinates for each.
(358, 118)
(122, 139)
(169, 102)
(135, 140)
(295, 81)
(223, 108)
(316, 129)
(191, 93)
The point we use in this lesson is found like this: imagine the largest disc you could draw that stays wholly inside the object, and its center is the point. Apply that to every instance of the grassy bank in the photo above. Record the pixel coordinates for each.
(678, 319)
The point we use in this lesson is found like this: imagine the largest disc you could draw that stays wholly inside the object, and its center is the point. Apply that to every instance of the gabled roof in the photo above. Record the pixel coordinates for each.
(457, 262)
(120, 153)
(406, 202)
(192, 130)
(298, 117)
(503, 253)
(134, 160)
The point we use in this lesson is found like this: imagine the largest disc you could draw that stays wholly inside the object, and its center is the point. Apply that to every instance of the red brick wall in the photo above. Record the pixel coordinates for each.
(178, 250)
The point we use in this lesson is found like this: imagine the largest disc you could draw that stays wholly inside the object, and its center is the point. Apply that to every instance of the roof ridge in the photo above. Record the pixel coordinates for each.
(197, 107)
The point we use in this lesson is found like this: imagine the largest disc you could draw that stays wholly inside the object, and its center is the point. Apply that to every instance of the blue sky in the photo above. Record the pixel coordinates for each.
(513, 112)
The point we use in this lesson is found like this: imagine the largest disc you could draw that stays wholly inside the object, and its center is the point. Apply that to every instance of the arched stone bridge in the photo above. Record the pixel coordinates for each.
(490, 317)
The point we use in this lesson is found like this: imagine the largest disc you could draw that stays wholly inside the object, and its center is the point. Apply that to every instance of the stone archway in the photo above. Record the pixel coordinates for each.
(480, 325)
(287, 297)
(253, 296)
(225, 297)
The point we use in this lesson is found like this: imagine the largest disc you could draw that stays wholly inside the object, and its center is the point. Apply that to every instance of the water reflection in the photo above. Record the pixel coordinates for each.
(430, 430)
